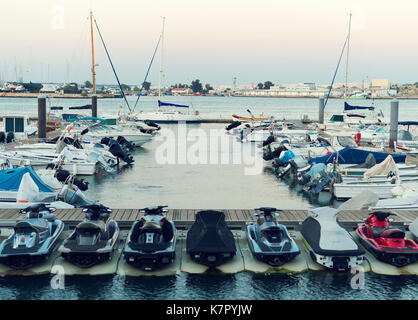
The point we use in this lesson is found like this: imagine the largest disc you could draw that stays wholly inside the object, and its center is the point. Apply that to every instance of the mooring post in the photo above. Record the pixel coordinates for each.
(321, 110)
(94, 105)
(394, 113)
(41, 117)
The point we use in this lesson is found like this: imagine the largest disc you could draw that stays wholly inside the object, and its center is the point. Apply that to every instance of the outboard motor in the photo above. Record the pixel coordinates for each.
(269, 140)
(152, 124)
(62, 176)
(2, 137)
(116, 150)
(10, 137)
(233, 125)
(123, 142)
(74, 197)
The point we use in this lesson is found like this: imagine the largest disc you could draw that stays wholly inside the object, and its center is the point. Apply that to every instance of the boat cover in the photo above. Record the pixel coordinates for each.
(413, 227)
(85, 107)
(356, 156)
(326, 237)
(10, 179)
(286, 156)
(385, 167)
(349, 107)
(209, 233)
(163, 104)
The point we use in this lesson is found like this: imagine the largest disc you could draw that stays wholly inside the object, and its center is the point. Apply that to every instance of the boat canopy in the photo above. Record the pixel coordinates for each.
(85, 107)
(356, 156)
(86, 118)
(408, 123)
(162, 104)
(56, 108)
(10, 179)
(349, 107)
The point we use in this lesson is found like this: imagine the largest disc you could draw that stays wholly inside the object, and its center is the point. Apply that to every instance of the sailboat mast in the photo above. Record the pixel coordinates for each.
(92, 53)
(161, 61)
(348, 51)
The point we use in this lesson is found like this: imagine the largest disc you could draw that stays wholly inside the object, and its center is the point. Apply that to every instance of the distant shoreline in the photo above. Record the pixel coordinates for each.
(105, 96)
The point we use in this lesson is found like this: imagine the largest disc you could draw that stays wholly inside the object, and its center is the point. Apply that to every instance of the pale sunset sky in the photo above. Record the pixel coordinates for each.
(213, 40)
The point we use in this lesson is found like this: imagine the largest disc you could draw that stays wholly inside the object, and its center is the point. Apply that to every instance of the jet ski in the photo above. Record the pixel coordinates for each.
(330, 244)
(93, 240)
(151, 241)
(386, 243)
(209, 240)
(33, 239)
(268, 240)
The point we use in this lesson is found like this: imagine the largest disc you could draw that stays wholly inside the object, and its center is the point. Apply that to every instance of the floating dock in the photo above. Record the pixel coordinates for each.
(183, 218)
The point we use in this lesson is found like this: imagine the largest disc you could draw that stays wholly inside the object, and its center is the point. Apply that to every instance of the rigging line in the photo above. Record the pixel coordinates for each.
(146, 75)
(113, 68)
(336, 70)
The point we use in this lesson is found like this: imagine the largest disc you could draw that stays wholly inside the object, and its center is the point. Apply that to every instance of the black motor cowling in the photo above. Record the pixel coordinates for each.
(125, 143)
(10, 137)
(2, 137)
(116, 149)
(233, 125)
(62, 175)
(152, 124)
(269, 140)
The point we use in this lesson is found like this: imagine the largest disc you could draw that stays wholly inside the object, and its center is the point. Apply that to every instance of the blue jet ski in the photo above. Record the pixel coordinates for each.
(33, 239)
(268, 240)
(151, 242)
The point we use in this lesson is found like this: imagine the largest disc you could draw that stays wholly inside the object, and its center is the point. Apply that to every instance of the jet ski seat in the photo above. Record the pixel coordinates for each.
(389, 233)
(37, 226)
(167, 231)
(273, 235)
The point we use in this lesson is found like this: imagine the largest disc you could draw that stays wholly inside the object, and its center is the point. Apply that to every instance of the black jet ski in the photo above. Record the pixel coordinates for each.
(93, 240)
(209, 241)
(151, 241)
(33, 239)
(270, 241)
(330, 244)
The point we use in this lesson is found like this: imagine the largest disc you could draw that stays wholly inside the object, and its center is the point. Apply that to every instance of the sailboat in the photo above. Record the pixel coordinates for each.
(353, 115)
(169, 112)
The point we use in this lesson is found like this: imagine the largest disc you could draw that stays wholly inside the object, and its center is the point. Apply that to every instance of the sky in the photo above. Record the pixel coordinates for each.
(213, 40)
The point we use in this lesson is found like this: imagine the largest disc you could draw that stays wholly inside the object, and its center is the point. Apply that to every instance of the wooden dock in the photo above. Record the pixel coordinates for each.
(183, 218)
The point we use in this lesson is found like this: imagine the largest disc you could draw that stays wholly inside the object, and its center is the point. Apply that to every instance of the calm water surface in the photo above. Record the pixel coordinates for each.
(150, 182)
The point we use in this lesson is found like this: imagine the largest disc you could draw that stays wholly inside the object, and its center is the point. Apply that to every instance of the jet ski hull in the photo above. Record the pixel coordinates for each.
(149, 261)
(398, 257)
(329, 244)
(275, 254)
(209, 240)
(87, 259)
(25, 258)
(150, 256)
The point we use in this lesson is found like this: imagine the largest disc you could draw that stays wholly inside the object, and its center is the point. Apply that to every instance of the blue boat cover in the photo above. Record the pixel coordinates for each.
(287, 156)
(356, 156)
(10, 179)
(408, 123)
(348, 107)
(160, 103)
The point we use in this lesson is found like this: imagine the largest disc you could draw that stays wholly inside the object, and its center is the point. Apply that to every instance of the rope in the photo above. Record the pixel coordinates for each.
(330, 88)
(113, 68)
(146, 75)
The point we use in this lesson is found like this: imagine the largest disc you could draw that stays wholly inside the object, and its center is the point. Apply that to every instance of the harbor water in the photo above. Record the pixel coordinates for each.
(205, 175)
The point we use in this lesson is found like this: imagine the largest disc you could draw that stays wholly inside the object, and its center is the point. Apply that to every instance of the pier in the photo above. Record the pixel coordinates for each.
(183, 218)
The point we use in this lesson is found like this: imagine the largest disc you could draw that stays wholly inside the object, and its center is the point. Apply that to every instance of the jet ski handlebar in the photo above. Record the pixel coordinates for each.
(267, 211)
(96, 211)
(37, 208)
(154, 210)
(382, 215)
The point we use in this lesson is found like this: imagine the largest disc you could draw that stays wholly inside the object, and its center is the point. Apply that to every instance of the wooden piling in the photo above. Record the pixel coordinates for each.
(42, 117)
(94, 105)
(394, 115)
